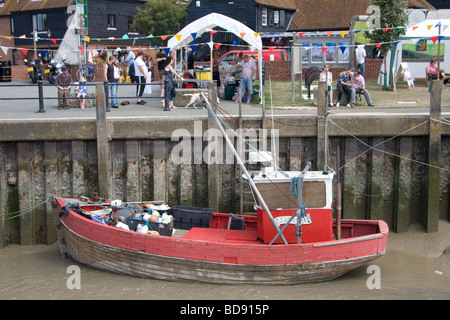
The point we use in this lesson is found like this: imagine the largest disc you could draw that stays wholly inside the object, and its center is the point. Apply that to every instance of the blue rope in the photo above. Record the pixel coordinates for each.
(293, 188)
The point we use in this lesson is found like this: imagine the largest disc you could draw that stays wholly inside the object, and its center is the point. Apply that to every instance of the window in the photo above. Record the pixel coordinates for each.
(131, 22)
(276, 18)
(264, 17)
(40, 22)
(111, 21)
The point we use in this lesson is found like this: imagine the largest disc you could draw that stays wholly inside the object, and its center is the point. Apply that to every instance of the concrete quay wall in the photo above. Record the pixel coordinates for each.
(383, 174)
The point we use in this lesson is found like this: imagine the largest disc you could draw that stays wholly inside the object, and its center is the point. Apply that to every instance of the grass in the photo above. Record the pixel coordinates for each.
(404, 97)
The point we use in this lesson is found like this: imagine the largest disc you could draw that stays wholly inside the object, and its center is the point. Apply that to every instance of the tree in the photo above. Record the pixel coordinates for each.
(389, 19)
(160, 17)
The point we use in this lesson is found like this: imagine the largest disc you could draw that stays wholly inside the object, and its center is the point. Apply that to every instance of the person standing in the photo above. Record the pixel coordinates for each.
(63, 83)
(161, 59)
(170, 74)
(248, 67)
(360, 57)
(130, 63)
(359, 86)
(432, 72)
(112, 76)
(141, 76)
(326, 75)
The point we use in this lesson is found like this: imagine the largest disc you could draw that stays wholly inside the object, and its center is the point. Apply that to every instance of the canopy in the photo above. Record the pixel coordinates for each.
(207, 23)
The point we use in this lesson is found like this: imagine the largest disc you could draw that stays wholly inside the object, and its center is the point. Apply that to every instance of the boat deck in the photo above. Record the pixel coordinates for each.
(223, 236)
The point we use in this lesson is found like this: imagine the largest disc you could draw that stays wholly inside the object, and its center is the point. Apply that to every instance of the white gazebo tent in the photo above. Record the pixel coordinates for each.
(210, 21)
(426, 30)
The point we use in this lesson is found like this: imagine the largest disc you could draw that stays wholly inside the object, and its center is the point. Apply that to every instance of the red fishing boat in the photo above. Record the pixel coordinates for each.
(292, 238)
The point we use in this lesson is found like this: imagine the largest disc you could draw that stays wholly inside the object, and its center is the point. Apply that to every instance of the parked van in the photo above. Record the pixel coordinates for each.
(268, 55)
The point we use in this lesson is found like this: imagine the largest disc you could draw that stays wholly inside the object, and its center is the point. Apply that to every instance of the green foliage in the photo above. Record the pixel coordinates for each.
(393, 16)
(160, 17)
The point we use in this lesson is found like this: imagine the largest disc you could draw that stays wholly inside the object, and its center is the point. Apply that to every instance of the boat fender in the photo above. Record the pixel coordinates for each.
(122, 226)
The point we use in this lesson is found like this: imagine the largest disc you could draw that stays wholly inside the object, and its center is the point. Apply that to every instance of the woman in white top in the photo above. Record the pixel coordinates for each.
(323, 77)
(141, 76)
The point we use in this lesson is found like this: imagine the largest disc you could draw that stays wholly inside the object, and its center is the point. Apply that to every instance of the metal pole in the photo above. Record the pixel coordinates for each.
(41, 96)
(166, 94)
(244, 169)
(105, 86)
(338, 195)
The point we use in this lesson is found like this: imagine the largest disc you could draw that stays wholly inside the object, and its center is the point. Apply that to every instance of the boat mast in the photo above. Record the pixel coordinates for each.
(244, 169)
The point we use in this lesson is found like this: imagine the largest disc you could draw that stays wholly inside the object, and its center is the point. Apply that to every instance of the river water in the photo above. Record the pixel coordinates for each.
(39, 272)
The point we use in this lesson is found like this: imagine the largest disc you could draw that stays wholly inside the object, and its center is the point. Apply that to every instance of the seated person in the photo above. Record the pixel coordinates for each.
(344, 85)
(358, 86)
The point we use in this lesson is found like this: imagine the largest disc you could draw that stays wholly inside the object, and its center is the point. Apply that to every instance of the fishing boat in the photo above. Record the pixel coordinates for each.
(292, 239)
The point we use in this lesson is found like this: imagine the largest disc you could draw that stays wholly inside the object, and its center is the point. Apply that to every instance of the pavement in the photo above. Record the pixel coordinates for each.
(19, 101)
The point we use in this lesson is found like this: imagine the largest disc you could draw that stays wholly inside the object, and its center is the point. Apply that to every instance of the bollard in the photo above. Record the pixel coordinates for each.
(105, 86)
(41, 96)
(166, 95)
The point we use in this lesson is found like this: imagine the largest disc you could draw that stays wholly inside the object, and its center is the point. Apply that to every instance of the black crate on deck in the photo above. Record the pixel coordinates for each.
(190, 217)
(5, 71)
(164, 229)
(133, 222)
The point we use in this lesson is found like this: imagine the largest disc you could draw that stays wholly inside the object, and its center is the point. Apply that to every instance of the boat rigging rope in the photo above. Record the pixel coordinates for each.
(23, 212)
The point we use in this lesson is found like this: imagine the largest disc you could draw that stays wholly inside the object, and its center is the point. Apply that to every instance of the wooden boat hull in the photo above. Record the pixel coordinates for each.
(235, 260)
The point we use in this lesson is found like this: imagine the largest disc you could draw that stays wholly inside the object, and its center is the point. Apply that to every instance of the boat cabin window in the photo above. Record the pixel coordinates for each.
(278, 196)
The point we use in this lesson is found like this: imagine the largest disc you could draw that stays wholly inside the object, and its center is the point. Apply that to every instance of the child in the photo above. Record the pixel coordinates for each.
(82, 92)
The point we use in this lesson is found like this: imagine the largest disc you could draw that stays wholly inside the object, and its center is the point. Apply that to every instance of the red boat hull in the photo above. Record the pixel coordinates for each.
(217, 255)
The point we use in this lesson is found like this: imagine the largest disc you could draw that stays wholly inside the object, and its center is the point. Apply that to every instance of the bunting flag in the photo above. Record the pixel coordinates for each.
(44, 53)
(164, 37)
(86, 39)
(178, 36)
(217, 45)
(300, 34)
(5, 49)
(23, 36)
(235, 42)
(24, 51)
(357, 31)
(150, 36)
(378, 45)
(343, 33)
(435, 39)
(125, 36)
(194, 47)
(80, 48)
(343, 48)
(256, 35)
(430, 26)
(324, 49)
(386, 29)
(329, 33)
(213, 32)
(53, 40)
(194, 35)
(414, 28)
(167, 50)
(155, 47)
(242, 35)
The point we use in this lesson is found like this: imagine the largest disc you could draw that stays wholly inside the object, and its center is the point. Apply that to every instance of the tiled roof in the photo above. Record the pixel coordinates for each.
(30, 5)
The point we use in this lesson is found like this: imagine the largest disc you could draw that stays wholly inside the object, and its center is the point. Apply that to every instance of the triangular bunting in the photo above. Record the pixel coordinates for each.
(242, 35)
(194, 47)
(324, 49)
(178, 36)
(53, 40)
(164, 37)
(194, 35)
(155, 47)
(435, 39)
(437, 25)
(386, 29)
(343, 48)
(112, 38)
(343, 33)
(378, 45)
(125, 36)
(24, 51)
(150, 36)
(300, 34)
(44, 53)
(86, 39)
(80, 48)
(329, 33)
(217, 45)
(167, 50)
(5, 49)
(356, 31)
(414, 28)
(212, 32)
(23, 36)
(235, 42)
(430, 26)
(256, 35)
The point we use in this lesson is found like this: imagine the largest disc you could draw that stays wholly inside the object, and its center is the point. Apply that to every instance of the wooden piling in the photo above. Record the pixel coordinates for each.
(434, 156)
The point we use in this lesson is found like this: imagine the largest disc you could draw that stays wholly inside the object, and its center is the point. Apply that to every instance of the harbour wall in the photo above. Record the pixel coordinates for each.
(393, 166)
(383, 174)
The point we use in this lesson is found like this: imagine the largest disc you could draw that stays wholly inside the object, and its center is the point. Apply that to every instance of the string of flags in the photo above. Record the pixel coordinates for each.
(216, 45)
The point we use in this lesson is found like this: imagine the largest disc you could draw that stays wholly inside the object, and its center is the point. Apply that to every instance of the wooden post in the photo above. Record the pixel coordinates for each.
(214, 174)
(321, 126)
(103, 148)
(434, 155)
